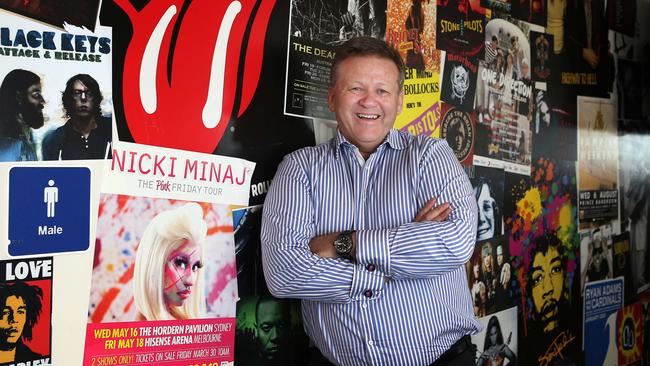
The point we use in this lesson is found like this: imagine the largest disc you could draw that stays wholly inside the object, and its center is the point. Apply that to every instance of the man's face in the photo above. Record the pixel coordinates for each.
(271, 330)
(485, 214)
(14, 316)
(31, 106)
(83, 105)
(476, 270)
(500, 259)
(548, 282)
(366, 99)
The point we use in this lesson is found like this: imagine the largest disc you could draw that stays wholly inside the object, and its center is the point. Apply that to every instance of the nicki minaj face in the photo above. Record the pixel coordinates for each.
(181, 272)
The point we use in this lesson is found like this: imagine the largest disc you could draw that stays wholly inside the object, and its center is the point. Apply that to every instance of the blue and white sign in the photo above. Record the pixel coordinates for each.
(49, 210)
(602, 300)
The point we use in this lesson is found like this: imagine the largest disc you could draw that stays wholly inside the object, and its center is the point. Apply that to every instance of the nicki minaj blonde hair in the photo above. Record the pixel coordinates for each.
(165, 233)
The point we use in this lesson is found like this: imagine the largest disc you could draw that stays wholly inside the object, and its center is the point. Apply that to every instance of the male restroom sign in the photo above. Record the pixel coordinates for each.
(49, 210)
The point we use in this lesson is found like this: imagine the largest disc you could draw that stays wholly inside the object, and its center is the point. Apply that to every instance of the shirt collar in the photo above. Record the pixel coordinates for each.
(394, 139)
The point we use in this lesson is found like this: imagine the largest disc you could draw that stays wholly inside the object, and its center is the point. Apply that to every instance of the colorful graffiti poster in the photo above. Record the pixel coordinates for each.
(63, 82)
(541, 228)
(497, 343)
(194, 73)
(26, 299)
(81, 13)
(597, 160)
(410, 29)
(163, 283)
(602, 301)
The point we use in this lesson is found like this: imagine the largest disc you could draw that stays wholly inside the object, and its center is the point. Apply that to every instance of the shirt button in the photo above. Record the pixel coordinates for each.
(364, 305)
(371, 267)
(370, 343)
(367, 293)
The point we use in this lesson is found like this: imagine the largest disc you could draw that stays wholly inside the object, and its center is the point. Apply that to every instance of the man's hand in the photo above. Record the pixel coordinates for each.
(431, 212)
(323, 246)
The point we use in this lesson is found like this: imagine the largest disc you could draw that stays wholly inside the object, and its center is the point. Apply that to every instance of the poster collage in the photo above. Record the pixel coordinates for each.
(138, 140)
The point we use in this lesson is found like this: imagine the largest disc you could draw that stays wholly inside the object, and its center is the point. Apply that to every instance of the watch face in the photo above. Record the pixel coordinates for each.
(343, 244)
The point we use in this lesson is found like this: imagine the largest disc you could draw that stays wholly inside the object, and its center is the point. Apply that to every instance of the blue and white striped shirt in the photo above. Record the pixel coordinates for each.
(406, 300)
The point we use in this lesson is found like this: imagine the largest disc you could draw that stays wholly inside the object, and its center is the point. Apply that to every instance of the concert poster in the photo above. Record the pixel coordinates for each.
(411, 30)
(541, 55)
(597, 160)
(460, 27)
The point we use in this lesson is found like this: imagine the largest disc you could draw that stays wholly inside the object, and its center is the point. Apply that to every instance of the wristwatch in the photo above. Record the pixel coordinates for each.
(343, 244)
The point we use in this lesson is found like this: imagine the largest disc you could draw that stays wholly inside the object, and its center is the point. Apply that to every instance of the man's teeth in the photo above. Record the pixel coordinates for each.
(367, 116)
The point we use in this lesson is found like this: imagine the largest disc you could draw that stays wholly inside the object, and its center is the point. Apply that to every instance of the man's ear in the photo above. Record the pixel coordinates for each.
(330, 98)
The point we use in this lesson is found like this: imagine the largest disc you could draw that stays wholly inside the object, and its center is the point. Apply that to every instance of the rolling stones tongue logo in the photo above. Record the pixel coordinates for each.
(180, 79)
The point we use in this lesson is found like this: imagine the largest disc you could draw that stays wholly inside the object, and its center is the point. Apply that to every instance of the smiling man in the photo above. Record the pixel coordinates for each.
(372, 229)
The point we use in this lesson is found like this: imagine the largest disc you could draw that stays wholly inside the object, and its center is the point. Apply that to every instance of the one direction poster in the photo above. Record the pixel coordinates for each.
(60, 83)
(460, 27)
(597, 160)
(26, 299)
(411, 31)
(81, 13)
(458, 128)
(497, 343)
(602, 300)
(185, 61)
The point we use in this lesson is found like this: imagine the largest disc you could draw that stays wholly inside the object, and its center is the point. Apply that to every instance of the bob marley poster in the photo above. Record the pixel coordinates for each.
(26, 300)
(185, 61)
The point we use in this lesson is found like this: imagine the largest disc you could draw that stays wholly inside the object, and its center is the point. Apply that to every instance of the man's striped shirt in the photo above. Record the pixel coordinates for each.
(405, 300)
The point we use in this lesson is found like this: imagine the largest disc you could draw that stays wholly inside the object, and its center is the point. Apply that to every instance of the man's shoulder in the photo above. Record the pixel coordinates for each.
(55, 134)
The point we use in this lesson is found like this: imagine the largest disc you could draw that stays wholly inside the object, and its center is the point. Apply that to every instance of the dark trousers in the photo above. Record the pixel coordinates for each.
(461, 353)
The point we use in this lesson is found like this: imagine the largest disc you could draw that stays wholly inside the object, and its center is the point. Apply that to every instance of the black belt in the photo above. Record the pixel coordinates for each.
(454, 351)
